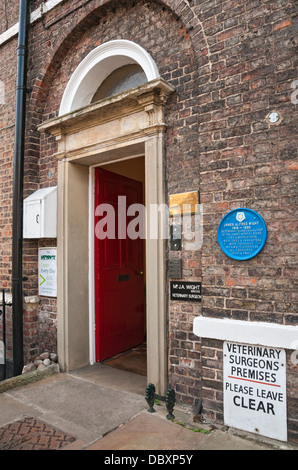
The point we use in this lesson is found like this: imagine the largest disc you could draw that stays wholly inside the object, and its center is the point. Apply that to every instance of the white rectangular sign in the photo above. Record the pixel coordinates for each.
(47, 272)
(255, 389)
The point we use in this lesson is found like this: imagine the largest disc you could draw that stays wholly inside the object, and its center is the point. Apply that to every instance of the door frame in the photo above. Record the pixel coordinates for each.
(155, 264)
(125, 126)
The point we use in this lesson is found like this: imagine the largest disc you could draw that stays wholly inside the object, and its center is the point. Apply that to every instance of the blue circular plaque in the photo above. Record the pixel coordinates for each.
(242, 234)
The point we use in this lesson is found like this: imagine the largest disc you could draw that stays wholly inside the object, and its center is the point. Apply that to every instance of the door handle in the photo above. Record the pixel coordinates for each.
(140, 273)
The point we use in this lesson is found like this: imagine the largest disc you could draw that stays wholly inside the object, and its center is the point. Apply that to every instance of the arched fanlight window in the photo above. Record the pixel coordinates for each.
(121, 79)
(109, 69)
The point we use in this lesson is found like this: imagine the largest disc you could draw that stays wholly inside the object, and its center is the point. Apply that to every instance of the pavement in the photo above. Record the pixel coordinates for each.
(101, 408)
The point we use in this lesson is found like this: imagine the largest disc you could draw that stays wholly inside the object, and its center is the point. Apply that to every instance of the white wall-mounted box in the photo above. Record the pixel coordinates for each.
(40, 214)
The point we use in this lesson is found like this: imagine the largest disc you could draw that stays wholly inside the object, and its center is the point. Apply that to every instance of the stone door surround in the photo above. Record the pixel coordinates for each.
(123, 126)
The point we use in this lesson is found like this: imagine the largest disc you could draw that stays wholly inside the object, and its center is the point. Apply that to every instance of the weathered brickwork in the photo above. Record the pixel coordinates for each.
(232, 62)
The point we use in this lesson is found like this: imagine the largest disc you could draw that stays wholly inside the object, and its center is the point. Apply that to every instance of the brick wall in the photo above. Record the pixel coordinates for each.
(9, 14)
(231, 62)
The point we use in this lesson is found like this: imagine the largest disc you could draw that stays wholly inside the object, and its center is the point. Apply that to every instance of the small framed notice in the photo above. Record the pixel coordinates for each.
(47, 271)
(187, 291)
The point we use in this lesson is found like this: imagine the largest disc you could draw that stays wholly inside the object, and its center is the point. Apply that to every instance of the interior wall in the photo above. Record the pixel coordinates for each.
(132, 168)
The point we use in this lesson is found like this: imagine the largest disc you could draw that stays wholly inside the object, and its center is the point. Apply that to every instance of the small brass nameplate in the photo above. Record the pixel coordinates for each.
(184, 203)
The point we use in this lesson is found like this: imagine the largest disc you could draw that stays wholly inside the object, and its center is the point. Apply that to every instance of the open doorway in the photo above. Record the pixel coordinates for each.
(119, 266)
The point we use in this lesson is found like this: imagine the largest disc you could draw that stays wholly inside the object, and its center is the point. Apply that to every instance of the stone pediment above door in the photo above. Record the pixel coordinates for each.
(128, 118)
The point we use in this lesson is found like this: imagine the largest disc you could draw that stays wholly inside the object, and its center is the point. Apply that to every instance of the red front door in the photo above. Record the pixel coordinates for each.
(119, 280)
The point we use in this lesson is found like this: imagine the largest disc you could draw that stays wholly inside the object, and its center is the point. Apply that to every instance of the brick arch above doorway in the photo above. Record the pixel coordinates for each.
(100, 63)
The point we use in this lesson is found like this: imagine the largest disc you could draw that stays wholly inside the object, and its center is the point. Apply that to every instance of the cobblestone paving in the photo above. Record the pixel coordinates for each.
(31, 434)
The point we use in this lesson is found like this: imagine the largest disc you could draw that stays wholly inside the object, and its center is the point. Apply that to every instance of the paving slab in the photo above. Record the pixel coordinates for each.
(149, 432)
(152, 432)
(79, 411)
(81, 408)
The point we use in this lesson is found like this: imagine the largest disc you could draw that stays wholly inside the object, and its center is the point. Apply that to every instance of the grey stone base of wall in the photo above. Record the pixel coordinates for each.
(29, 377)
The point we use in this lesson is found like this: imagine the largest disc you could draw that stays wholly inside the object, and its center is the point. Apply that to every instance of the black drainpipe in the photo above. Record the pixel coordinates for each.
(18, 176)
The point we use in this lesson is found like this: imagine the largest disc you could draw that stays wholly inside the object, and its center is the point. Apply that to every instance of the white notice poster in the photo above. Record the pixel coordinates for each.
(47, 272)
(255, 389)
